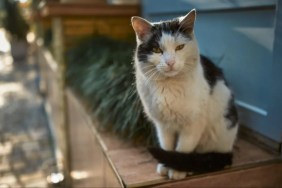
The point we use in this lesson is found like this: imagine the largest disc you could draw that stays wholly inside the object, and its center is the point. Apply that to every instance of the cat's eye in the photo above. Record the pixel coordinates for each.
(179, 47)
(157, 50)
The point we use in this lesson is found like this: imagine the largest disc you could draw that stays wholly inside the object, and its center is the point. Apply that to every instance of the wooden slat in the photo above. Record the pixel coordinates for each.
(78, 9)
(87, 156)
(262, 176)
(136, 167)
(85, 1)
(246, 153)
(83, 27)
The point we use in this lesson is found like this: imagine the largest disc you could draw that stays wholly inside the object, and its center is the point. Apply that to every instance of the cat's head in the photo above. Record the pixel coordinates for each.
(166, 49)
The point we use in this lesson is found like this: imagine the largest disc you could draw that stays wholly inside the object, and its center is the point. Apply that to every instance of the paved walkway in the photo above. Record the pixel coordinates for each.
(25, 152)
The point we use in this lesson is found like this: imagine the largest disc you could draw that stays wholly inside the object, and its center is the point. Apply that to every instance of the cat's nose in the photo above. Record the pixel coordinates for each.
(170, 63)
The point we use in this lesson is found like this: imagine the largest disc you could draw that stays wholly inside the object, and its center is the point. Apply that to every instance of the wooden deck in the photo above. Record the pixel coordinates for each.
(130, 166)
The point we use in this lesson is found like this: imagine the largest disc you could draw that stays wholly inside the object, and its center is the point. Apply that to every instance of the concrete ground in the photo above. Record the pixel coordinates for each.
(25, 146)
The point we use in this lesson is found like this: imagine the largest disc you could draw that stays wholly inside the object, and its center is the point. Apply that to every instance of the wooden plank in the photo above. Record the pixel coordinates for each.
(89, 166)
(136, 167)
(85, 1)
(262, 176)
(99, 25)
(76, 28)
(246, 153)
(111, 180)
(78, 9)
(87, 161)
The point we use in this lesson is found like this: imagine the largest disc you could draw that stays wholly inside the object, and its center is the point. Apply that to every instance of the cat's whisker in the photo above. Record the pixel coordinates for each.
(157, 76)
(148, 67)
(147, 81)
(148, 73)
(149, 78)
(187, 67)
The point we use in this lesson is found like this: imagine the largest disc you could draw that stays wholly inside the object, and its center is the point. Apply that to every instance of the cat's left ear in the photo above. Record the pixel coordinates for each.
(141, 27)
(187, 22)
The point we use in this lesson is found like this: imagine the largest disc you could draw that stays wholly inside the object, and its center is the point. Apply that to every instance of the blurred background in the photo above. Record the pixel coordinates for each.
(67, 83)
(26, 155)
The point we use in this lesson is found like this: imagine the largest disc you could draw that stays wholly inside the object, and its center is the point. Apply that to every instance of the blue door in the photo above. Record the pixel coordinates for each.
(242, 38)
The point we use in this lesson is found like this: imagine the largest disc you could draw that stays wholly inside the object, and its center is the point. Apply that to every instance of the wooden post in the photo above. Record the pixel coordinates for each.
(61, 127)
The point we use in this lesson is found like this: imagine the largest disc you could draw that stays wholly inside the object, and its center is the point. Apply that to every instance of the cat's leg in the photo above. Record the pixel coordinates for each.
(166, 139)
(188, 139)
(219, 138)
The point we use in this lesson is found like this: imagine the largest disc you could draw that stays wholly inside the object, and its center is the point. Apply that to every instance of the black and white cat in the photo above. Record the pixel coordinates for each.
(185, 96)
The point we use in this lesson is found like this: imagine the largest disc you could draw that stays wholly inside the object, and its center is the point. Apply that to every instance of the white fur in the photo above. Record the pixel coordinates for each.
(186, 116)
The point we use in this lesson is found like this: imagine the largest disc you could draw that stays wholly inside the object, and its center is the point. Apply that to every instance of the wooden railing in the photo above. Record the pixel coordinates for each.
(69, 23)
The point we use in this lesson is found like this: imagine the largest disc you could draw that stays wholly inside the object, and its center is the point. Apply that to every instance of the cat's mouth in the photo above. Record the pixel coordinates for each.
(170, 73)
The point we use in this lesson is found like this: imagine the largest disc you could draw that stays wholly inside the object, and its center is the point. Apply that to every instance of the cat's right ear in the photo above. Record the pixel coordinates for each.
(141, 27)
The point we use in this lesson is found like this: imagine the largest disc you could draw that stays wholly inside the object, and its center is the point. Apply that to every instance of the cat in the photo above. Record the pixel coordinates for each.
(186, 97)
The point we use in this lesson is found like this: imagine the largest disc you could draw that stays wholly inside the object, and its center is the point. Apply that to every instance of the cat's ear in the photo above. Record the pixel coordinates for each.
(141, 27)
(187, 22)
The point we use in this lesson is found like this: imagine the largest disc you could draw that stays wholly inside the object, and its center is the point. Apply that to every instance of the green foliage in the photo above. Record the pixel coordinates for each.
(13, 21)
(100, 70)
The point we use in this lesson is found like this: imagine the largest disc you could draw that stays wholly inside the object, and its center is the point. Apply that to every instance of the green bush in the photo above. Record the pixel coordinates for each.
(101, 71)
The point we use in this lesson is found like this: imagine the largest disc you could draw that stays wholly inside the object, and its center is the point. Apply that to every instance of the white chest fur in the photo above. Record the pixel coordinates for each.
(174, 102)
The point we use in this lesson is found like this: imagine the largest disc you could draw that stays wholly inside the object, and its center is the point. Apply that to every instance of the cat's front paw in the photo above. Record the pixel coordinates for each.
(162, 170)
(176, 175)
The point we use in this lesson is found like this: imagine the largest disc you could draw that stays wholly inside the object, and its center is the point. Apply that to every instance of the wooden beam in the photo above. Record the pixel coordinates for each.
(76, 9)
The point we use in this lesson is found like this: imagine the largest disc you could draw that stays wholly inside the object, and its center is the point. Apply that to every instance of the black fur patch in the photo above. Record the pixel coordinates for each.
(169, 27)
(192, 162)
(211, 71)
(146, 48)
(232, 113)
(212, 74)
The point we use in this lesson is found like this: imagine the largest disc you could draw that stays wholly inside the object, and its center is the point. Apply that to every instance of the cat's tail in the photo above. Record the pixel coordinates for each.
(192, 162)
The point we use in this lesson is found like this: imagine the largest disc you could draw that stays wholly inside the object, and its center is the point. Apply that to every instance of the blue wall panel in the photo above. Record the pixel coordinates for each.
(239, 37)
(275, 104)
